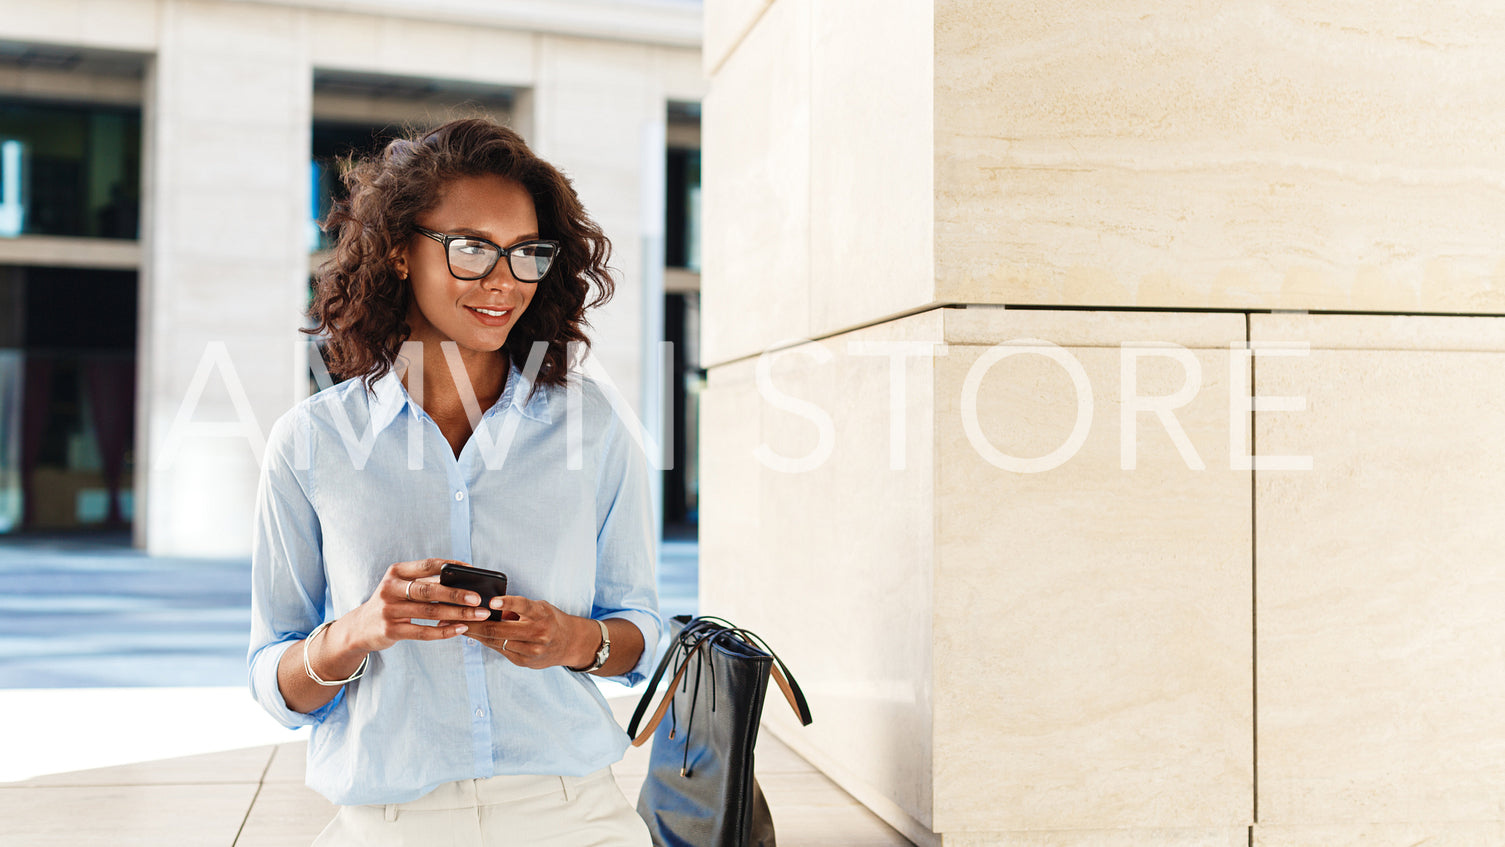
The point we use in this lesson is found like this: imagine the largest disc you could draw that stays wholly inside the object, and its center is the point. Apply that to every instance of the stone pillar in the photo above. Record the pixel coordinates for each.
(225, 270)
(1039, 281)
(597, 111)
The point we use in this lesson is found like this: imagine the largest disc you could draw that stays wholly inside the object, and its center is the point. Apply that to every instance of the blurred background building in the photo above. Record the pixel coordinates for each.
(162, 167)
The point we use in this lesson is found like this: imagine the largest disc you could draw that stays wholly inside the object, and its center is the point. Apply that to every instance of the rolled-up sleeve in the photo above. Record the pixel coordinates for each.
(287, 568)
(626, 547)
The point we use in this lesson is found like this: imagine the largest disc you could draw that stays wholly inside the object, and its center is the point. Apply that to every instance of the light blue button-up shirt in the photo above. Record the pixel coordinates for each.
(354, 481)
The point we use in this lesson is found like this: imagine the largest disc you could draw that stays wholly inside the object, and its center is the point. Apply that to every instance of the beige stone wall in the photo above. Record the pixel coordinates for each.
(810, 222)
(1092, 613)
(1284, 155)
(991, 651)
(813, 538)
(1379, 592)
(1176, 644)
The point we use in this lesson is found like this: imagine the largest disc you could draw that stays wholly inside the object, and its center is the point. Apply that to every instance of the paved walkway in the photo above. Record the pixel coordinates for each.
(255, 797)
(122, 690)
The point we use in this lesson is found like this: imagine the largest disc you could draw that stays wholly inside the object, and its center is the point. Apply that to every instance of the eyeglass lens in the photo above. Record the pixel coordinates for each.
(473, 259)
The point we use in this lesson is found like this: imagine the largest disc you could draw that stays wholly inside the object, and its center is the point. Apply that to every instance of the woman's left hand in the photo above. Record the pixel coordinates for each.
(541, 636)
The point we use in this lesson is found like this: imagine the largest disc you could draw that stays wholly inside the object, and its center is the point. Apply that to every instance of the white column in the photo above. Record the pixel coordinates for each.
(656, 395)
(598, 112)
(225, 266)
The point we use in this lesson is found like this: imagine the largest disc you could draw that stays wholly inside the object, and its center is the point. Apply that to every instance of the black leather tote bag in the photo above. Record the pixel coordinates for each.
(700, 790)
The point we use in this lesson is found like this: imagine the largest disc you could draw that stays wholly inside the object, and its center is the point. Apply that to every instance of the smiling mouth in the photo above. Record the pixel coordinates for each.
(495, 313)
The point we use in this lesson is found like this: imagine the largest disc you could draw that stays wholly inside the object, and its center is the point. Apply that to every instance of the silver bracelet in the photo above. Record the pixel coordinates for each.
(308, 668)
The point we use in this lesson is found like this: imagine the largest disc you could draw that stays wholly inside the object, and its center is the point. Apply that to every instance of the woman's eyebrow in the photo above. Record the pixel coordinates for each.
(465, 230)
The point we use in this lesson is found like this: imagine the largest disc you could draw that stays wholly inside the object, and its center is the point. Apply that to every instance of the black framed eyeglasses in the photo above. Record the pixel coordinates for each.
(473, 257)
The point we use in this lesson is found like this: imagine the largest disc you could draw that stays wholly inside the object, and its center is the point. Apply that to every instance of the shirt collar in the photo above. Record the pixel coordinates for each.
(525, 396)
(388, 397)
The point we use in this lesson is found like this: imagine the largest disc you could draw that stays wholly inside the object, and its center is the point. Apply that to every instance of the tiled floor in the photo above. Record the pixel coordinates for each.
(127, 721)
(255, 797)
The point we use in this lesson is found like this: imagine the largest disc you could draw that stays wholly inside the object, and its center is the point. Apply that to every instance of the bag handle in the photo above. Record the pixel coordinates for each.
(783, 677)
(779, 671)
(638, 739)
(658, 674)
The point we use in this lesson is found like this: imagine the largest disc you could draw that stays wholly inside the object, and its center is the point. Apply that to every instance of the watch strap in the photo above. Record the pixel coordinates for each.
(602, 653)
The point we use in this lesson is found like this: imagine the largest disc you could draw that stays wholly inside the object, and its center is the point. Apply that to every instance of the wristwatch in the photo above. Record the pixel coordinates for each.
(601, 654)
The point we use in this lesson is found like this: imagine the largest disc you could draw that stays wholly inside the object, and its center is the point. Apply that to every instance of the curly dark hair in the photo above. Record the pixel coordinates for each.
(361, 304)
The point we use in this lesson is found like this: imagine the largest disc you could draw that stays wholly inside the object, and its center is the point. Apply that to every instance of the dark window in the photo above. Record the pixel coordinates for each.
(333, 143)
(681, 505)
(682, 209)
(70, 391)
(69, 170)
(77, 309)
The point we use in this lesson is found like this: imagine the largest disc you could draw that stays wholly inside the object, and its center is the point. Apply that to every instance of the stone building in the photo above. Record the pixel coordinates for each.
(1039, 279)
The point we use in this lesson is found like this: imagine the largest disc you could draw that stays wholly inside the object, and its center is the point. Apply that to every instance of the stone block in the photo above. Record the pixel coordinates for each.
(871, 187)
(1241, 155)
(1378, 591)
(726, 24)
(756, 229)
(1092, 610)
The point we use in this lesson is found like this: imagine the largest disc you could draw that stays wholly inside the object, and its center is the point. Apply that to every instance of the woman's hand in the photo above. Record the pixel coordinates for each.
(409, 591)
(540, 636)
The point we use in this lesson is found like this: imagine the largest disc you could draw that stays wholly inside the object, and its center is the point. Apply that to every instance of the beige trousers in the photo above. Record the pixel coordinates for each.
(539, 811)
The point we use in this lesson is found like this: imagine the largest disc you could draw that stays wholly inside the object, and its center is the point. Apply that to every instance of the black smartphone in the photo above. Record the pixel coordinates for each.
(486, 583)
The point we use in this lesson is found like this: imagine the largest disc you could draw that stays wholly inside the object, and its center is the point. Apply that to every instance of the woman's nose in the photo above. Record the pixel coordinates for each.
(500, 277)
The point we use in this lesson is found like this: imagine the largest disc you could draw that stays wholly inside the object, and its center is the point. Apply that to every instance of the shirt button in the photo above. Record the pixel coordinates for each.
(480, 713)
(459, 495)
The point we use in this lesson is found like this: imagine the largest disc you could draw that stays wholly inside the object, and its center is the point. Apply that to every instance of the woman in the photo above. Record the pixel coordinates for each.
(459, 281)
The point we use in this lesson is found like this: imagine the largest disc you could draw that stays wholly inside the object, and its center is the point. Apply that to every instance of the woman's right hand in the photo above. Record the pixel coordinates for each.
(408, 591)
